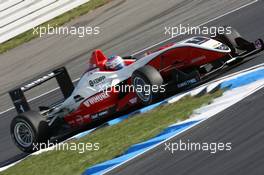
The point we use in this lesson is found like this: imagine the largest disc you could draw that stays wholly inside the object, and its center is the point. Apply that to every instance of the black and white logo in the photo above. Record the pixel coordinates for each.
(97, 81)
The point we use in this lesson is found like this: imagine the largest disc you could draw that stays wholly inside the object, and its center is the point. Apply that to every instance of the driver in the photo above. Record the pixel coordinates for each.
(114, 63)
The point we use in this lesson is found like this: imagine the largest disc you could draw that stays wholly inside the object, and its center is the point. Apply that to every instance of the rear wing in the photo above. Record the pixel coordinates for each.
(64, 81)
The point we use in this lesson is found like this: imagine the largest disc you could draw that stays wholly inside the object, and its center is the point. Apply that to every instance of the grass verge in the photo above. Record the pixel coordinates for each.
(113, 140)
(58, 21)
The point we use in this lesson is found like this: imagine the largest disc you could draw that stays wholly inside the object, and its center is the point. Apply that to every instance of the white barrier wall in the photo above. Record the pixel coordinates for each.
(18, 16)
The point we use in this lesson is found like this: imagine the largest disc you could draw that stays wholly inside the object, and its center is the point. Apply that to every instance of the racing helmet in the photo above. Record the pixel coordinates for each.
(114, 63)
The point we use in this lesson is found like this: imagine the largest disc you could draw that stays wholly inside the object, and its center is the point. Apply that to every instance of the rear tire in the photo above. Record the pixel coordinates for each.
(28, 130)
(147, 77)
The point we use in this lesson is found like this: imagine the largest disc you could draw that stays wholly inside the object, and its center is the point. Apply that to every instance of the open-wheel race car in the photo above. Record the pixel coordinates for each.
(102, 92)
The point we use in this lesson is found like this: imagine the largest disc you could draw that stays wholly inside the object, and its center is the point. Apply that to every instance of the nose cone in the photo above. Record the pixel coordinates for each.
(216, 45)
(208, 43)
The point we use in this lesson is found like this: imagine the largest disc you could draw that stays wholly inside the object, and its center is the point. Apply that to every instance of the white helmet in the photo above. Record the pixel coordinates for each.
(114, 63)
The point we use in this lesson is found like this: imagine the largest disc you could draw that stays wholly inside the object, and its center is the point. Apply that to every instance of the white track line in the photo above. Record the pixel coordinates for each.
(188, 128)
(232, 11)
(198, 122)
(142, 51)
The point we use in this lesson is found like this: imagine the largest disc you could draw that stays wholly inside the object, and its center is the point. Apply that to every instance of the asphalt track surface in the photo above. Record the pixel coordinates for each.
(241, 124)
(126, 27)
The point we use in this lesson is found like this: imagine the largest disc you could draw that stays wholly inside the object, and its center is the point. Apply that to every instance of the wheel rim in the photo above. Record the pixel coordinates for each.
(142, 95)
(23, 134)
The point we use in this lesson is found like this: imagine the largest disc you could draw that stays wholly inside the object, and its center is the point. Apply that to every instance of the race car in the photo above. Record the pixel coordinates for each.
(102, 93)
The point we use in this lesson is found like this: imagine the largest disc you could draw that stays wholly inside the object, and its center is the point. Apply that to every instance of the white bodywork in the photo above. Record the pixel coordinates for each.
(85, 90)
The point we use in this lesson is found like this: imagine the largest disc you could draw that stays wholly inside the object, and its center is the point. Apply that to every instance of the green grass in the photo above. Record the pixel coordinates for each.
(58, 21)
(113, 140)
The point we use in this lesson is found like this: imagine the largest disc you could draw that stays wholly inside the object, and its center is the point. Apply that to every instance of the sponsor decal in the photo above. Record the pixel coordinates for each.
(101, 114)
(133, 100)
(80, 119)
(97, 81)
(38, 81)
(258, 44)
(197, 40)
(96, 99)
(86, 116)
(94, 116)
(185, 83)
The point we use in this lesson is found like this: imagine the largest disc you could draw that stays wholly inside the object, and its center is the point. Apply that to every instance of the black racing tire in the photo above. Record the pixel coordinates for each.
(28, 130)
(148, 76)
(229, 40)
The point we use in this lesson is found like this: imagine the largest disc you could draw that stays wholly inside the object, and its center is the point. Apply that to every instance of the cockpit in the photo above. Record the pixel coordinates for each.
(99, 61)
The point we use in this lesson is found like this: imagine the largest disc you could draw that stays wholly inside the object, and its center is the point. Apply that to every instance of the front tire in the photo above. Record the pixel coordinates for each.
(147, 82)
(28, 130)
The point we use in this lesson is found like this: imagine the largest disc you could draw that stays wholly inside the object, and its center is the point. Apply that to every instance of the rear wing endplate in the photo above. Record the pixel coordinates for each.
(64, 81)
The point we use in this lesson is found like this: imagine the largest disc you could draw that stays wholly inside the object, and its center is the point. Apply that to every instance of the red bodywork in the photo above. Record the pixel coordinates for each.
(87, 112)
(105, 106)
